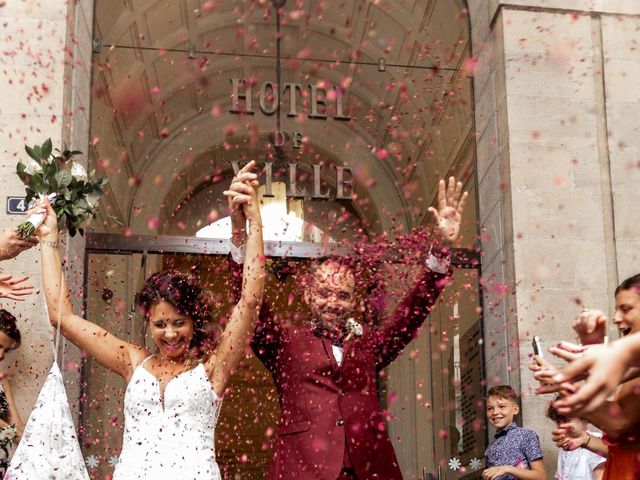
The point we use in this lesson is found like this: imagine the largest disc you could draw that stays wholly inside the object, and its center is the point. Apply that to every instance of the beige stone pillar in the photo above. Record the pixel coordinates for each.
(558, 175)
(46, 63)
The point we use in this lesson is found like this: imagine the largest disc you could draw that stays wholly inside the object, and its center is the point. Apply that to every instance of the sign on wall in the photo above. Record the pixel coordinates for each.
(269, 97)
(16, 206)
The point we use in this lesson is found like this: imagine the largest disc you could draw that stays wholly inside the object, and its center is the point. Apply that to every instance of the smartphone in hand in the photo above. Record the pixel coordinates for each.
(537, 346)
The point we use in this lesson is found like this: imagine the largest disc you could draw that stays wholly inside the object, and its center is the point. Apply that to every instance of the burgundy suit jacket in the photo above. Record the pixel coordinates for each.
(330, 414)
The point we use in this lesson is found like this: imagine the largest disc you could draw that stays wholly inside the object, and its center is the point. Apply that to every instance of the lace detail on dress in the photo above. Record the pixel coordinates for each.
(49, 447)
(171, 440)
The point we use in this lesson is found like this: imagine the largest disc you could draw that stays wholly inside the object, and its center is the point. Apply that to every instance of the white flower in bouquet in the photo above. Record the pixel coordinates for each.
(93, 199)
(8, 434)
(32, 167)
(78, 172)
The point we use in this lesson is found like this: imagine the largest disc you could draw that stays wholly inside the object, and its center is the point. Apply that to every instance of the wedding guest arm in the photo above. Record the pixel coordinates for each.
(11, 245)
(568, 439)
(616, 417)
(590, 327)
(13, 417)
(537, 472)
(10, 422)
(603, 366)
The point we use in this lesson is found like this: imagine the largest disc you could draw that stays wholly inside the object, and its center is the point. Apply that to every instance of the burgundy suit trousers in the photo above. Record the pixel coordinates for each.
(347, 474)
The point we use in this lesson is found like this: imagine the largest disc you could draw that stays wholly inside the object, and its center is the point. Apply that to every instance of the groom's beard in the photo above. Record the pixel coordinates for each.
(335, 332)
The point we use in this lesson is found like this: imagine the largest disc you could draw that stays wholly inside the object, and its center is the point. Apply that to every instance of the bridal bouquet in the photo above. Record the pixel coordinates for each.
(72, 192)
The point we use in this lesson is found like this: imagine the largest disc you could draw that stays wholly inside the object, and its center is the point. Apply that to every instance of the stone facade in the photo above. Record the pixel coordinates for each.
(33, 86)
(557, 157)
(46, 77)
(557, 149)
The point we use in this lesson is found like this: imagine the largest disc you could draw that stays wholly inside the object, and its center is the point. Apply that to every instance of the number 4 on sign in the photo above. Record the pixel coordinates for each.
(16, 206)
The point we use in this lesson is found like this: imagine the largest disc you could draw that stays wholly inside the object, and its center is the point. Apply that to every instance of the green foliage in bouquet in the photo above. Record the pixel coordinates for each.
(77, 193)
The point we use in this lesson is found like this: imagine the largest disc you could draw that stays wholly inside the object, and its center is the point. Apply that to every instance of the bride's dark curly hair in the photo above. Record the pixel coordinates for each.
(9, 327)
(184, 294)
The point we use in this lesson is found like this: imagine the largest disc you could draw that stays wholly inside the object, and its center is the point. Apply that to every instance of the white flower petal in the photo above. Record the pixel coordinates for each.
(78, 171)
(32, 167)
(92, 199)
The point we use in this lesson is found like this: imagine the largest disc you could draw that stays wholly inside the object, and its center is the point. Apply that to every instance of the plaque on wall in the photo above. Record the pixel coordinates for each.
(16, 206)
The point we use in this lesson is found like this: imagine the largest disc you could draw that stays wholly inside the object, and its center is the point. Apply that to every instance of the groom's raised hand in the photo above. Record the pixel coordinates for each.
(448, 216)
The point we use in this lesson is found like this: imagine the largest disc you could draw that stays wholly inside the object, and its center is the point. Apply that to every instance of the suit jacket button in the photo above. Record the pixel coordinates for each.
(339, 422)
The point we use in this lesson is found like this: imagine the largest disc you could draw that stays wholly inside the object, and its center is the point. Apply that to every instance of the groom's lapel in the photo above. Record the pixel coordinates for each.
(328, 350)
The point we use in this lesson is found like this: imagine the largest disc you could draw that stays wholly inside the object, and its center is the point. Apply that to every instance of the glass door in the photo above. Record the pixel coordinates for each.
(457, 386)
(111, 283)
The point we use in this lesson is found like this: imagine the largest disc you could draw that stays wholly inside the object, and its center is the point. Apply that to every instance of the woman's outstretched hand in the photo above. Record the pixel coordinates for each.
(603, 366)
(11, 287)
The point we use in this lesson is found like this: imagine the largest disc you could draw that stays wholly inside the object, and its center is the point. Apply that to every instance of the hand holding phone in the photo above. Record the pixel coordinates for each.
(537, 346)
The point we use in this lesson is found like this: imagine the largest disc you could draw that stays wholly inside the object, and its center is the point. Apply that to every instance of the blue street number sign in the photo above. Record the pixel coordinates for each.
(16, 206)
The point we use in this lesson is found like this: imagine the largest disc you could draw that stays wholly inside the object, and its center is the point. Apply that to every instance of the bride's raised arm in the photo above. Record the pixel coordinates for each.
(108, 350)
(240, 327)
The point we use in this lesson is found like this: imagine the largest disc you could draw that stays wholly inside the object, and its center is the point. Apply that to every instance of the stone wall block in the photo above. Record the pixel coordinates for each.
(486, 61)
(487, 147)
(491, 234)
(628, 255)
(497, 372)
(556, 119)
(563, 214)
(559, 264)
(494, 291)
(549, 313)
(486, 102)
(627, 208)
(626, 7)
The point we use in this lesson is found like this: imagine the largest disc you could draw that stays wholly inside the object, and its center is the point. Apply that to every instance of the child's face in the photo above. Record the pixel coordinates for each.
(501, 411)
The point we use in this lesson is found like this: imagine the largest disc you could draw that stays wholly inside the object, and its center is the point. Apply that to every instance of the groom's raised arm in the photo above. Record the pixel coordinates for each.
(414, 308)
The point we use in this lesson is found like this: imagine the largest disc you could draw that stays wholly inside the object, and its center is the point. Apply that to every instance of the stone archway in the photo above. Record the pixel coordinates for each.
(166, 134)
(155, 108)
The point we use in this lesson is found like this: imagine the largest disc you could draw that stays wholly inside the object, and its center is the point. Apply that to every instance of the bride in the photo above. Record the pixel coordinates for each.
(173, 396)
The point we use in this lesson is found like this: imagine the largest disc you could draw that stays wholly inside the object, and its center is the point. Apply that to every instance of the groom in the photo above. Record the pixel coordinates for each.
(331, 426)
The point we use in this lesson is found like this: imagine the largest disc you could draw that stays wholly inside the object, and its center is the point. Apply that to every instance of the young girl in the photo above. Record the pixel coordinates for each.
(173, 396)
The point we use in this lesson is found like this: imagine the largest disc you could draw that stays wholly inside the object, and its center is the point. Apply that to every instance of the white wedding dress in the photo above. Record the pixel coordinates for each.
(49, 447)
(170, 439)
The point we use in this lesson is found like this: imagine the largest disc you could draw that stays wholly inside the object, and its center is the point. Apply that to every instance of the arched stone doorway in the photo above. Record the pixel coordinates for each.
(164, 131)
(161, 119)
